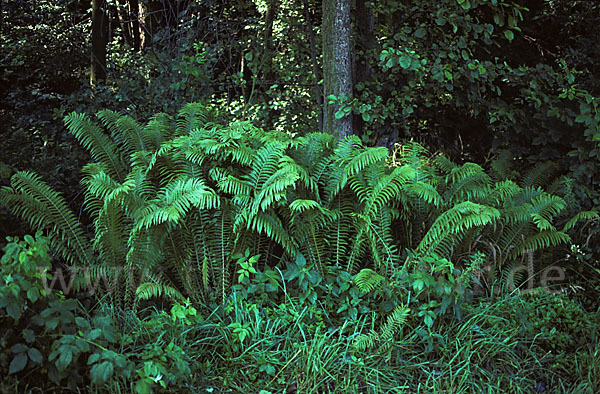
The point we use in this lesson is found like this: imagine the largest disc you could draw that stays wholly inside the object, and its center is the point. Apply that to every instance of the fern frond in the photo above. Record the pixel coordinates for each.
(455, 221)
(585, 215)
(368, 280)
(125, 131)
(101, 148)
(31, 199)
(540, 174)
(190, 117)
(145, 291)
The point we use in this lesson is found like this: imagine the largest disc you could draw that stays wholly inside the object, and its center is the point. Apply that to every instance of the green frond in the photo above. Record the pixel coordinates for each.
(387, 188)
(300, 205)
(502, 166)
(585, 215)
(158, 130)
(541, 240)
(126, 132)
(444, 164)
(384, 337)
(540, 174)
(424, 192)
(394, 320)
(101, 148)
(232, 185)
(467, 182)
(367, 280)
(190, 117)
(31, 199)
(455, 221)
(154, 290)
(174, 201)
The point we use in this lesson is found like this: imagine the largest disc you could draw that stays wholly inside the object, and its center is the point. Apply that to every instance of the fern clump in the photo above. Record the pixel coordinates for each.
(173, 200)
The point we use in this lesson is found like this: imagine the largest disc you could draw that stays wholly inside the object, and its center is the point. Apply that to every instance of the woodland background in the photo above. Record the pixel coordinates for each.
(305, 196)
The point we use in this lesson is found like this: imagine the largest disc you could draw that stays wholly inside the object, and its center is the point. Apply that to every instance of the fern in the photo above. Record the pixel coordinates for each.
(173, 200)
(44, 209)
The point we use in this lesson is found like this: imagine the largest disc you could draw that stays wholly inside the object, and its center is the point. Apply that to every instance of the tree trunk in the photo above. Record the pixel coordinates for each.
(365, 41)
(99, 41)
(337, 65)
(136, 32)
(122, 16)
(315, 63)
(268, 47)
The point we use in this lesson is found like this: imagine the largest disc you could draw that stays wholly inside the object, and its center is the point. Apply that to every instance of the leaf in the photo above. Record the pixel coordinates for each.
(101, 372)
(35, 355)
(509, 35)
(13, 310)
(28, 335)
(93, 358)
(300, 260)
(428, 321)
(18, 348)
(64, 360)
(499, 20)
(420, 32)
(94, 334)
(18, 363)
(405, 62)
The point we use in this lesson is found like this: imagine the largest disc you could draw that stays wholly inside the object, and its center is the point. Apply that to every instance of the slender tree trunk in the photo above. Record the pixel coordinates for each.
(337, 65)
(365, 41)
(268, 47)
(315, 64)
(99, 41)
(122, 15)
(134, 13)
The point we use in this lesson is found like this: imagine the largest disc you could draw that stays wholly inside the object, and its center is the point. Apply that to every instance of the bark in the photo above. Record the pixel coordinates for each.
(268, 47)
(337, 65)
(136, 31)
(123, 17)
(99, 41)
(315, 65)
(365, 41)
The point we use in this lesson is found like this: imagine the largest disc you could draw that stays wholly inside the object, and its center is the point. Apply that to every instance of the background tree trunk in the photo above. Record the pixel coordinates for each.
(99, 41)
(315, 64)
(337, 65)
(364, 42)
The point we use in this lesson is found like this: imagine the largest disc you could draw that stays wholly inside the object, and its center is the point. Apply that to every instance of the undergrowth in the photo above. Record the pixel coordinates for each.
(223, 258)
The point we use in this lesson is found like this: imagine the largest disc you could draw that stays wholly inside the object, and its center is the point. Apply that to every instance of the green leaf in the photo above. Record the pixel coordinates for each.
(93, 358)
(499, 20)
(28, 335)
(64, 360)
(18, 348)
(33, 294)
(94, 334)
(428, 321)
(35, 355)
(509, 35)
(420, 32)
(14, 310)
(18, 363)
(101, 372)
(300, 260)
(405, 62)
